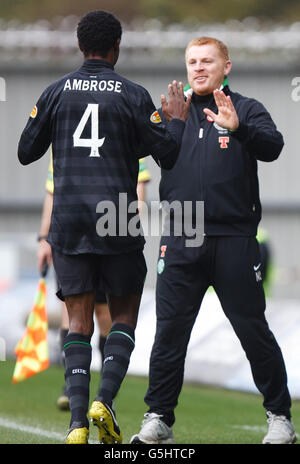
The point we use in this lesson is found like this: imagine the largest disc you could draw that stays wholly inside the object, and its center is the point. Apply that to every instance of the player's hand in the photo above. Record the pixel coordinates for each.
(44, 254)
(176, 106)
(227, 116)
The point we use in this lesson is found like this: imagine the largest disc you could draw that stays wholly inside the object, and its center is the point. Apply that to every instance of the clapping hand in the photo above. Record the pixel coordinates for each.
(177, 107)
(227, 116)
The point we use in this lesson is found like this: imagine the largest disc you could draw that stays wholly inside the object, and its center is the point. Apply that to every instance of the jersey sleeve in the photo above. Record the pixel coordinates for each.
(161, 141)
(259, 134)
(36, 137)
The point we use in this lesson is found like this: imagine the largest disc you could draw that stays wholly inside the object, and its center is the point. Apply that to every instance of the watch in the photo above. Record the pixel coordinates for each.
(41, 237)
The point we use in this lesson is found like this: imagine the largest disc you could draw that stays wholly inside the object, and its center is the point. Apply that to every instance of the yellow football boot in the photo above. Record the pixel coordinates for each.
(104, 418)
(78, 436)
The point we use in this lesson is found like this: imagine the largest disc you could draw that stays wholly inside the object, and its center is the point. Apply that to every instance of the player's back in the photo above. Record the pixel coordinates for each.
(94, 134)
(99, 125)
(95, 150)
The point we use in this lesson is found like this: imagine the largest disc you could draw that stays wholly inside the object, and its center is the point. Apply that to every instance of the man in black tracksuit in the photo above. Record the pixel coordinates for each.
(225, 134)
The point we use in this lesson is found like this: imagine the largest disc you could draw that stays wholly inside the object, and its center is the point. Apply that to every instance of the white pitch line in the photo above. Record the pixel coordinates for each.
(250, 428)
(9, 424)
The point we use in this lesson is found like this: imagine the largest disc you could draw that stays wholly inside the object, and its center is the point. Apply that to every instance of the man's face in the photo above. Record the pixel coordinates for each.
(206, 68)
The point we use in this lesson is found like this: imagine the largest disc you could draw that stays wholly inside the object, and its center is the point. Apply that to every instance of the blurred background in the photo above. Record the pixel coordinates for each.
(38, 45)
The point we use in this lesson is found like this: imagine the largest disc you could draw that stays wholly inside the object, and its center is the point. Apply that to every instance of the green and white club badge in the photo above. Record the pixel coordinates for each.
(160, 266)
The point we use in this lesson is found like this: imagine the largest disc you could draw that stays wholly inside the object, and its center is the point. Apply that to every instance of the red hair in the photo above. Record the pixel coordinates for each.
(209, 41)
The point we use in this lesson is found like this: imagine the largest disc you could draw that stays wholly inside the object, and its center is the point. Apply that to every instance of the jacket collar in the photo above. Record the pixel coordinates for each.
(208, 101)
(94, 65)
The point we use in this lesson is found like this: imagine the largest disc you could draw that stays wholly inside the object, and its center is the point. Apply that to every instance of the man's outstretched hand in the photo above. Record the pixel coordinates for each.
(176, 107)
(227, 116)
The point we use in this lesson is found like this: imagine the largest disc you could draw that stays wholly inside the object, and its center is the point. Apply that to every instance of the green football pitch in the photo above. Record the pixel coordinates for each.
(205, 415)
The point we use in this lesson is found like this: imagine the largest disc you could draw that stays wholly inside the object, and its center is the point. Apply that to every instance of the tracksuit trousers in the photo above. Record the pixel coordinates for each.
(232, 266)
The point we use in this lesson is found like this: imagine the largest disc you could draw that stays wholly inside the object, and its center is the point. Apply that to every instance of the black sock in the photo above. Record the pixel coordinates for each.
(117, 351)
(102, 341)
(78, 352)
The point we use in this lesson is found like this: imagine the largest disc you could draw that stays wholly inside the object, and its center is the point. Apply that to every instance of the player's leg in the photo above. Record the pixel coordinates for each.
(181, 285)
(76, 286)
(239, 286)
(78, 359)
(103, 318)
(117, 352)
(120, 343)
(63, 400)
(124, 275)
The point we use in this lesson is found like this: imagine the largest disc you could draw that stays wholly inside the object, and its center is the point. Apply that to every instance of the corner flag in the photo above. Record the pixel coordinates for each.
(32, 349)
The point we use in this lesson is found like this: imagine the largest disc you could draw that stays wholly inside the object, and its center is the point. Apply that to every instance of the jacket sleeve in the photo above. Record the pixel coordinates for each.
(36, 137)
(259, 134)
(160, 140)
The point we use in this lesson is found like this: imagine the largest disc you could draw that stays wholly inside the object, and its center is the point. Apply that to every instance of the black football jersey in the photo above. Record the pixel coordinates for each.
(99, 124)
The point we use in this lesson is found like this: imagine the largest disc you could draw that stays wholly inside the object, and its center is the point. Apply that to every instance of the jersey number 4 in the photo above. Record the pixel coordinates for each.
(91, 112)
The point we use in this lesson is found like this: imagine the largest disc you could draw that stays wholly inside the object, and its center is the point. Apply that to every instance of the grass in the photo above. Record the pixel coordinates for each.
(205, 415)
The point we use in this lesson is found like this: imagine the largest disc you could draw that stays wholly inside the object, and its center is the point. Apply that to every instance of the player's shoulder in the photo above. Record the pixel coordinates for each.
(247, 107)
(56, 86)
(134, 89)
(244, 100)
(126, 87)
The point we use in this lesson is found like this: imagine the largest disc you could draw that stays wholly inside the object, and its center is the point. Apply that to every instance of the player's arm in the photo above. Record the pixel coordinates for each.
(141, 194)
(36, 137)
(175, 109)
(143, 178)
(256, 130)
(259, 134)
(44, 253)
(141, 191)
(163, 141)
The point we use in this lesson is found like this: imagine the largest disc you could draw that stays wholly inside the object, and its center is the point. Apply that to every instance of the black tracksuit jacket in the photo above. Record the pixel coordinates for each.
(220, 168)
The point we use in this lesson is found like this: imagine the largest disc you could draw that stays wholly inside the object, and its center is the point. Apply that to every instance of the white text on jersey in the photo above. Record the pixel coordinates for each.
(93, 85)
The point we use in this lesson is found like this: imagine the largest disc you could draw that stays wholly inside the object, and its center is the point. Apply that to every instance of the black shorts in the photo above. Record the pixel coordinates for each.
(100, 296)
(115, 275)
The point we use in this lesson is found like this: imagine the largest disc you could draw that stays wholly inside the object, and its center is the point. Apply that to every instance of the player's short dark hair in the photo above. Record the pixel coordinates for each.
(97, 32)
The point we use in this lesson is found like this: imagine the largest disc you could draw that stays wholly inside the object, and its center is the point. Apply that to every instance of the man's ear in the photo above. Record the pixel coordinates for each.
(228, 67)
(117, 44)
(80, 47)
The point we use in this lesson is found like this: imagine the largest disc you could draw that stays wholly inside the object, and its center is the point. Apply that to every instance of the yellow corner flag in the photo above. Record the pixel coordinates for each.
(32, 349)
